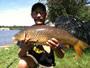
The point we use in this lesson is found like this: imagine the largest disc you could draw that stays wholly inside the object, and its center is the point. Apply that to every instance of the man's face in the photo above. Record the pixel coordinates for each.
(39, 15)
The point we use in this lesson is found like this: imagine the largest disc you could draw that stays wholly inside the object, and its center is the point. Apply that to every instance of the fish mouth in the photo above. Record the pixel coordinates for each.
(13, 38)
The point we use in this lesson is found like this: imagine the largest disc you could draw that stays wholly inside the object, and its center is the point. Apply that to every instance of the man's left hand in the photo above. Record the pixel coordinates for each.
(53, 43)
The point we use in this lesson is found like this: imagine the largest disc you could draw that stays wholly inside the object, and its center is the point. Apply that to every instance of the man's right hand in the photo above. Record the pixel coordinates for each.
(26, 43)
(25, 47)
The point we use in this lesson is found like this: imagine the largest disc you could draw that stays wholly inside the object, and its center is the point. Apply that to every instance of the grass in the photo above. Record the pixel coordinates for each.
(69, 62)
(7, 55)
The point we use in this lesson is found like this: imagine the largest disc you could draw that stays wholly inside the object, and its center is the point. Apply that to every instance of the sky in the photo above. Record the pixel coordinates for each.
(16, 12)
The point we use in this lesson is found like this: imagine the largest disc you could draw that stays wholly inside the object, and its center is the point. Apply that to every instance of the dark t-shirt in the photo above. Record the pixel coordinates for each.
(41, 55)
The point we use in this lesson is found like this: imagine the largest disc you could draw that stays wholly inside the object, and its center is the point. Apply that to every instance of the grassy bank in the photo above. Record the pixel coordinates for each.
(7, 55)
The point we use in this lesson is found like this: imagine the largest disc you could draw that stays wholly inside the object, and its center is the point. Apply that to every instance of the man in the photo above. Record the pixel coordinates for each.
(39, 56)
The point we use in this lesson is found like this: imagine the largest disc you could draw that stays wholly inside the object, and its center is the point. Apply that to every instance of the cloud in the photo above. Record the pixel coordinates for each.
(19, 17)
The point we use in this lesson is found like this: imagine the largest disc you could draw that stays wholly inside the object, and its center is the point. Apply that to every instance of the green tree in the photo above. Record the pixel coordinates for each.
(84, 14)
(74, 8)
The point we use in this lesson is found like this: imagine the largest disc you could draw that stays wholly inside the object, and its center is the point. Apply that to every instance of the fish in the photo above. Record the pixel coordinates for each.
(42, 33)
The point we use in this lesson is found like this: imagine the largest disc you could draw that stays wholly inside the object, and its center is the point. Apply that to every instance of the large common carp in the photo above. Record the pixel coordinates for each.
(42, 33)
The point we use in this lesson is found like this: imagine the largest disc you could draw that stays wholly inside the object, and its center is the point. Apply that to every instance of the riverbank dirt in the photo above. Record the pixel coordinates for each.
(8, 44)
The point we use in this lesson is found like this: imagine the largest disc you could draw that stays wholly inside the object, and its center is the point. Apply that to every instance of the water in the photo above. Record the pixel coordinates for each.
(6, 36)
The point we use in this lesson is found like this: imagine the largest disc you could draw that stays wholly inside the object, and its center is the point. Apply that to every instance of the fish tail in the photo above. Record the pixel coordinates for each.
(79, 46)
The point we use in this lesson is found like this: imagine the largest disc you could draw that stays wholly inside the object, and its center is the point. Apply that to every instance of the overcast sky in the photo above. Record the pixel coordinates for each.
(16, 12)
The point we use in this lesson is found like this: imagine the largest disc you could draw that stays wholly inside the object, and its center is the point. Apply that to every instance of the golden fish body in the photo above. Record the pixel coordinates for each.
(43, 33)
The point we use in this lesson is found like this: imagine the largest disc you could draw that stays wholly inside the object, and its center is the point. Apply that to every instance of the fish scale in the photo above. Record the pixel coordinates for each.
(43, 33)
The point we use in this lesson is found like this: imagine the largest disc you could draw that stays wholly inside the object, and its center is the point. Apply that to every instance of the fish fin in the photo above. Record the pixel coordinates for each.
(79, 46)
(33, 41)
(83, 45)
(67, 46)
(13, 38)
(47, 49)
(78, 50)
(75, 57)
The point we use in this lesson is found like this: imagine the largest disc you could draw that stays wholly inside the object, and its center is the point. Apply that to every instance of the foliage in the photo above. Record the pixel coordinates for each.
(16, 27)
(67, 8)
(84, 14)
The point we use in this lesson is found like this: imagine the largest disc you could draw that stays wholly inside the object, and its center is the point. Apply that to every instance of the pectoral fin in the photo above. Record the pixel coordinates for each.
(47, 49)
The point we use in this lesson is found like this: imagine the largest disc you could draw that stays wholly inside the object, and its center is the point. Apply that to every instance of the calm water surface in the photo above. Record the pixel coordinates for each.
(6, 36)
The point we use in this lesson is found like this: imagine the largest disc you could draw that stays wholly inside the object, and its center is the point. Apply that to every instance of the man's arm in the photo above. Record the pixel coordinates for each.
(22, 52)
(54, 44)
(59, 52)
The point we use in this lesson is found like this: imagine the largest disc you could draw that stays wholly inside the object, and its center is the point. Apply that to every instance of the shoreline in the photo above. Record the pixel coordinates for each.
(8, 44)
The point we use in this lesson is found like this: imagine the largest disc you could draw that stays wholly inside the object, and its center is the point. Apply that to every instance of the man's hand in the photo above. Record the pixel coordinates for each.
(53, 43)
(25, 46)
(25, 43)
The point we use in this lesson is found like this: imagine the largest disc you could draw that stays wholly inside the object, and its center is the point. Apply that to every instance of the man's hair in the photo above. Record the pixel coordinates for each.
(38, 5)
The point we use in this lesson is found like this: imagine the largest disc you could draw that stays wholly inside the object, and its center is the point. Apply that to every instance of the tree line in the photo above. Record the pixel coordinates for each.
(73, 8)
(13, 27)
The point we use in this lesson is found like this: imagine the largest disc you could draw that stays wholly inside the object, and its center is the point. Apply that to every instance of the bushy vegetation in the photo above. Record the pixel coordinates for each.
(74, 8)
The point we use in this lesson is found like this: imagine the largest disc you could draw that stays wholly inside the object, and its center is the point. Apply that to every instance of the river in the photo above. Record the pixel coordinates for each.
(6, 36)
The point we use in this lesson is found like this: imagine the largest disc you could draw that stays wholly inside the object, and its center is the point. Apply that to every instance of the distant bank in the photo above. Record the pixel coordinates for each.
(4, 29)
(12, 27)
